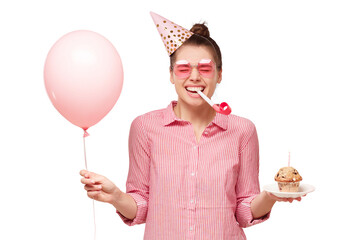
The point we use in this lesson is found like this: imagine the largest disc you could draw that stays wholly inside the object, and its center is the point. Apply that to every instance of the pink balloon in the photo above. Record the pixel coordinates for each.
(83, 77)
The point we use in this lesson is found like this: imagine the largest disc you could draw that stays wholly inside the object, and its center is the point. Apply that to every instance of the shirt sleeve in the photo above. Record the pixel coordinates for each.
(137, 184)
(247, 186)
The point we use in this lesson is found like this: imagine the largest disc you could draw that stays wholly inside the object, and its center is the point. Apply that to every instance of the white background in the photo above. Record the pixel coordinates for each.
(289, 66)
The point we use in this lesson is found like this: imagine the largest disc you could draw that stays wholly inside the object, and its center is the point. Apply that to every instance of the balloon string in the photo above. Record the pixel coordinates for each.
(86, 167)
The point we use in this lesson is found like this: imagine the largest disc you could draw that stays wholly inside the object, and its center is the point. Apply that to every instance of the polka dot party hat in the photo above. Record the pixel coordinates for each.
(172, 35)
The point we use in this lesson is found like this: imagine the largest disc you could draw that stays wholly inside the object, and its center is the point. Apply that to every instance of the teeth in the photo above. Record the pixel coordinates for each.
(194, 89)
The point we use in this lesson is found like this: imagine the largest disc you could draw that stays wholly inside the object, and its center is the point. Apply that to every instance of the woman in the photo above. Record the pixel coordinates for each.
(193, 173)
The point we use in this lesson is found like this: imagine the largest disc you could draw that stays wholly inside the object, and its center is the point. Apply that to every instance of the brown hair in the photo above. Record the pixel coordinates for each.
(201, 37)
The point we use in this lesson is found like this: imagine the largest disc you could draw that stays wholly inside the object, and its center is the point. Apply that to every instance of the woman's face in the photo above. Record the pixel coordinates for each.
(202, 74)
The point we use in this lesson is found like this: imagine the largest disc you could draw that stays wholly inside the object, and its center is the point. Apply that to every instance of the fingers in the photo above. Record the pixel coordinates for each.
(88, 174)
(93, 194)
(91, 175)
(279, 199)
(97, 186)
(84, 172)
(290, 200)
(92, 187)
(87, 181)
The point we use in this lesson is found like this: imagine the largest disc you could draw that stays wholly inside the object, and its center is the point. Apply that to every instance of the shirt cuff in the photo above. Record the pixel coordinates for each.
(142, 207)
(246, 218)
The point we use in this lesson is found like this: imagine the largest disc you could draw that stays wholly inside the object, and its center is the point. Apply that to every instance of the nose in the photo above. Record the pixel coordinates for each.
(195, 75)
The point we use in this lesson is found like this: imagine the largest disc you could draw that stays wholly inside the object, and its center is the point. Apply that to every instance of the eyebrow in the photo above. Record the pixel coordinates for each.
(205, 61)
(182, 62)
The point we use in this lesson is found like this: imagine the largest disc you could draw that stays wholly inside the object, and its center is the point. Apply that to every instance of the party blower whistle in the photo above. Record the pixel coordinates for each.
(223, 108)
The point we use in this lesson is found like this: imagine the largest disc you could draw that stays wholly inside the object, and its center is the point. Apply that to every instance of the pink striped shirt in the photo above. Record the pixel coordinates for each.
(186, 189)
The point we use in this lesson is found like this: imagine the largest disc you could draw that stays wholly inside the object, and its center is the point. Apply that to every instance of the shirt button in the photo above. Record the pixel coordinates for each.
(206, 132)
(192, 174)
(191, 228)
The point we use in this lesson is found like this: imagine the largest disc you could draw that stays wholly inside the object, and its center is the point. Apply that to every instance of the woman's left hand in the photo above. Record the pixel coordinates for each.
(279, 199)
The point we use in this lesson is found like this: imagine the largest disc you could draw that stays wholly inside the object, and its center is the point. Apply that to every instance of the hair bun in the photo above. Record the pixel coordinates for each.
(200, 29)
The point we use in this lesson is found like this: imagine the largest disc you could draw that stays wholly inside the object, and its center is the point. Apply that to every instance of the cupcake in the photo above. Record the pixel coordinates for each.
(288, 179)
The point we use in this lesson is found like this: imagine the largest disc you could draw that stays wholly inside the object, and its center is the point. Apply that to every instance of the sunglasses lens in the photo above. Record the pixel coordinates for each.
(182, 70)
(206, 69)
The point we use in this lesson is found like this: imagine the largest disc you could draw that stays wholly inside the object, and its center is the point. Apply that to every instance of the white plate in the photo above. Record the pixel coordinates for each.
(303, 189)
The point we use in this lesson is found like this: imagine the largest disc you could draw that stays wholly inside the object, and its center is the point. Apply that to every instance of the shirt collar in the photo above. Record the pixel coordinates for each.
(220, 120)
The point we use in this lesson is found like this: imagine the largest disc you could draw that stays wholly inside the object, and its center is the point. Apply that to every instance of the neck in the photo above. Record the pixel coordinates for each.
(200, 115)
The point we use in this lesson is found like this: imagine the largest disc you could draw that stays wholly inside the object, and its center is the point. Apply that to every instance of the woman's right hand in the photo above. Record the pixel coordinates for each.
(99, 187)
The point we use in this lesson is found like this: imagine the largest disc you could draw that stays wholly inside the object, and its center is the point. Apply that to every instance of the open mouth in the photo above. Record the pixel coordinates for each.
(194, 89)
